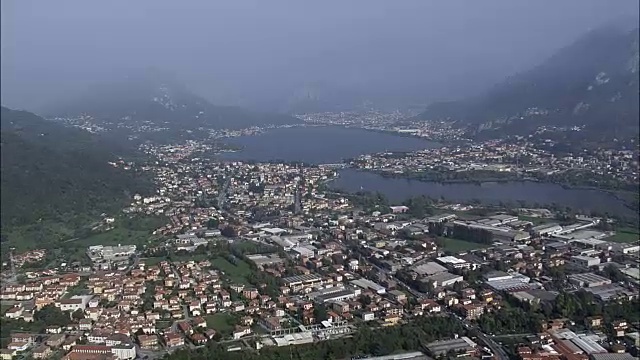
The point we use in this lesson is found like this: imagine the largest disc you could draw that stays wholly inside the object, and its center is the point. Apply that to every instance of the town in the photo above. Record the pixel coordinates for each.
(260, 256)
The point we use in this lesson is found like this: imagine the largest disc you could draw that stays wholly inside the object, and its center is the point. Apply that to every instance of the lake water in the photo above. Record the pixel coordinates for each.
(320, 145)
(397, 190)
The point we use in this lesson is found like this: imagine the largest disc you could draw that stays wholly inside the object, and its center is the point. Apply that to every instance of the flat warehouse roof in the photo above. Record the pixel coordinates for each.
(302, 278)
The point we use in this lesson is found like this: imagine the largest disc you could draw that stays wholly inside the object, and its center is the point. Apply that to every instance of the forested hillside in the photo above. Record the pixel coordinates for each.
(54, 173)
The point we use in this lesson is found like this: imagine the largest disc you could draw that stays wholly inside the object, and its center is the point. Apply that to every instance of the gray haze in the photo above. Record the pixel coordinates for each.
(265, 53)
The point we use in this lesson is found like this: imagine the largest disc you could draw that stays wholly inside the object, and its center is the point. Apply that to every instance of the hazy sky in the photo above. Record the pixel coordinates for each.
(261, 53)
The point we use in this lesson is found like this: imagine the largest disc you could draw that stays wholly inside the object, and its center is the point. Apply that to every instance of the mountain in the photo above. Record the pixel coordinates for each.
(54, 173)
(151, 96)
(593, 82)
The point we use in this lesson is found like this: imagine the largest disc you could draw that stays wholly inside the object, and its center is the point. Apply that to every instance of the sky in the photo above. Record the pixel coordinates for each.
(266, 54)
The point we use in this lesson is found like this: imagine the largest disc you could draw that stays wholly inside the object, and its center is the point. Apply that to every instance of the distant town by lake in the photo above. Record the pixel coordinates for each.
(332, 144)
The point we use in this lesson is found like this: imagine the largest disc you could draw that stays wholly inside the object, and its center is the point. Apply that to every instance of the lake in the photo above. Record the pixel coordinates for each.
(397, 190)
(320, 145)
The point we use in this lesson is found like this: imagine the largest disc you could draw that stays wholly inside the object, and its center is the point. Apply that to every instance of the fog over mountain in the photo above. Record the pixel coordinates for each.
(288, 55)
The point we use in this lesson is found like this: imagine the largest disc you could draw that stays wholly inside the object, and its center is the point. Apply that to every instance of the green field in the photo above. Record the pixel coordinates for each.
(152, 261)
(625, 235)
(161, 324)
(56, 235)
(32, 236)
(236, 273)
(455, 245)
(4, 308)
(221, 322)
(120, 234)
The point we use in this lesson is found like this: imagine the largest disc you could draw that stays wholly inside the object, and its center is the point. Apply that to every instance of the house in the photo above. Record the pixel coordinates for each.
(93, 303)
(53, 329)
(23, 338)
(7, 354)
(117, 339)
(185, 327)
(27, 316)
(248, 320)
(56, 340)
(333, 317)
(70, 342)
(98, 336)
(593, 321)
(397, 296)
(199, 322)
(472, 311)
(241, 331)
(198, 339)
(18, 346)
(399, 209)
(250, 293)
(173, 340)
(391, 320)
(210, 333)
(72, 304)
(271, 323)
(340, 307)
(85, 325)
(368, 316)
(15, 312)
(148, 341)
(41, 352)
(619, 327)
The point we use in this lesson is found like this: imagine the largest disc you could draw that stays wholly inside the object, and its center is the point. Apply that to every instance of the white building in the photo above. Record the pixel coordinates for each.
(368, 316)
(454, 262)
(124, 352)
(585, 261)
(353, 265)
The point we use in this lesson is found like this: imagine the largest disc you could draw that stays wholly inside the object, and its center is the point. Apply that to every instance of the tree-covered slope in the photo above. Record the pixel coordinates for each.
(51, 172)
(592, 83)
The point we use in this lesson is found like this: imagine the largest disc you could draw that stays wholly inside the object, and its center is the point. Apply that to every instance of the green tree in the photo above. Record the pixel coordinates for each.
(51, 315)
(213, 223)
(320, 312)
(78, 314)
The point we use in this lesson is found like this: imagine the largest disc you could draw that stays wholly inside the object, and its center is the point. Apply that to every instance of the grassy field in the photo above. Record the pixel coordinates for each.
(161, 324)
(236, 273)
(32, 236)
(70, 246)
(221, 322)
(455, 245)
(625, 235)
(152, 261)
(126, 232)
(4, 308)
